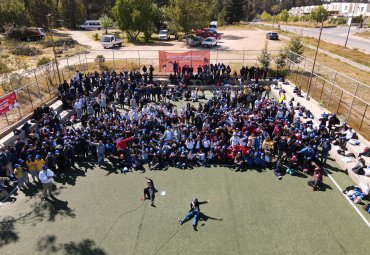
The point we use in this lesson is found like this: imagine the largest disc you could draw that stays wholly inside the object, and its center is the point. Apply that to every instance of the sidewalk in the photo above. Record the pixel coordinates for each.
(317, 110)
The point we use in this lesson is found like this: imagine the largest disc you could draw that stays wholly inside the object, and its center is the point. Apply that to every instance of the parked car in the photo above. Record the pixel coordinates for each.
(213, 26)
(110, 41)
(206, 32)
(209, 42)
(91, 25)
(163, 35)
(272, 36)
(196, 41)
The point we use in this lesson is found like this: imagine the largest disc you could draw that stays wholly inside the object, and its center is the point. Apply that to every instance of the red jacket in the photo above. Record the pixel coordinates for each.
(122, 144)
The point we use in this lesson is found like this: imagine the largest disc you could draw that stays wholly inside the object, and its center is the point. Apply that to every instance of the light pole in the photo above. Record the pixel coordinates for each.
(314, 61)
(350, 24)
(55, 55)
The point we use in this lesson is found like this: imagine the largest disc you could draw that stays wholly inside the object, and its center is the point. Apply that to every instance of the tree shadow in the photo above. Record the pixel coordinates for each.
(7, 233)
(48, 245)
(71, 176)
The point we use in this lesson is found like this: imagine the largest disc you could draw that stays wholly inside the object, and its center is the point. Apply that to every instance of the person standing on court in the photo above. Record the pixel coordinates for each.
(194, 212)
(100, 150)
(46, 178)
(149, 191)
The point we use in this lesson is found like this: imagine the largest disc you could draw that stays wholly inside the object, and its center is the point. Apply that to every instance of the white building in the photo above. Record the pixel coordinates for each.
(336, 9)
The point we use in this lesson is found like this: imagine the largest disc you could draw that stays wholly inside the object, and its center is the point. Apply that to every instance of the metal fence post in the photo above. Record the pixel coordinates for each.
(331, 92)
(322, 90)
(68, 67)
(86, 64)
(29, 95)
(340, 100)
(79, 59)
(114, 62)
(37, 85)
(138, 53)
(363, 116)
(243, 56)
(47, 83)
(353, 100)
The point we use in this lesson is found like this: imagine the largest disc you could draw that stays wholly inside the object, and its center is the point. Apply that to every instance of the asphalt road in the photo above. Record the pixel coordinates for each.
(335, 35)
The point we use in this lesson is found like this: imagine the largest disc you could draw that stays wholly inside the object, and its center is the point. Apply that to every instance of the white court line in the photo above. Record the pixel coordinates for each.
(349, 200)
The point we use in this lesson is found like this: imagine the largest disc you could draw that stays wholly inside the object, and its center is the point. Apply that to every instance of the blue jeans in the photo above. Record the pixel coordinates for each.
(100, 159)
(194, 214)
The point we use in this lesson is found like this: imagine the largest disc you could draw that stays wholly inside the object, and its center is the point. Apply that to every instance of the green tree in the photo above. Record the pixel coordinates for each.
(38, 9)
(265, 16)
(134, 17)
(280, 60)
(275, 9)
(295, 49)
(319, 14)
(265, 57)
(106, 22)
(284, 16)
(14, 13)
(183, 18)
(72, 12)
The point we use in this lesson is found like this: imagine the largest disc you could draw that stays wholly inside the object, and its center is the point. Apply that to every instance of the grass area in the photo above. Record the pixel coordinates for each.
(304, 24)
(342, 68)
(365, 34)
(98, 211)
(237, 27)
(352, 54)
(14, 62)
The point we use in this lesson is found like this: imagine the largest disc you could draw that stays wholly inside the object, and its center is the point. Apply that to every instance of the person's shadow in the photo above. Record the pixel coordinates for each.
(204, 218)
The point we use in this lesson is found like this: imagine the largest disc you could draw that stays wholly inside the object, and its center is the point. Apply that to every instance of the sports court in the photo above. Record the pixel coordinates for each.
(99, 211)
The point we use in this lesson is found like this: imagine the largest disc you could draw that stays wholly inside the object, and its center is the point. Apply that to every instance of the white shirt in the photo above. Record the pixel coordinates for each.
(43, 176)
(349, 134)
(189, 144)
(206, 143)
(234, 140)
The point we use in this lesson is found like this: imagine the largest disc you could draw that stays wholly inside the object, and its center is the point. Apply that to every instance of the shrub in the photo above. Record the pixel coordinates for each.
(22, 50)
(43, 61)
(100, 59)
(61, 42)
(20, 32)
(96, 37)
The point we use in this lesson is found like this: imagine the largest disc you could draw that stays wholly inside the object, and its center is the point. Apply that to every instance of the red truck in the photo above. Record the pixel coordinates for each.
(205, 33)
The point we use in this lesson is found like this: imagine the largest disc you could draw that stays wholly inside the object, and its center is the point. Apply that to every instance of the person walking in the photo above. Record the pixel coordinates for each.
(194, 212)
(46, 178)
(149, 191)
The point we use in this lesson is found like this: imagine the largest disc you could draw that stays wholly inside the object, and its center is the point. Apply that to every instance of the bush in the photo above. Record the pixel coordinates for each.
(43, 61)
(61, 42)
(22, 50)
(4, 67)
(100, 59)
(96, 37)
(21, 33)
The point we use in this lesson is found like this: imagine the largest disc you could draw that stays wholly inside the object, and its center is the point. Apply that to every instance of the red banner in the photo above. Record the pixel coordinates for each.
(7, 102)
(193, 58)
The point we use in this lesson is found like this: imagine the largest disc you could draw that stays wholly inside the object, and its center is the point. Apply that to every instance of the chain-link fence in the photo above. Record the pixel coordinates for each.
(35, 87)
(337, 92)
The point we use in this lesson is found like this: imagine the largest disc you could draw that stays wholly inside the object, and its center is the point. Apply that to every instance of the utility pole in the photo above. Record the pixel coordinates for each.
(55, 55)
(314, 61)
(350, 24)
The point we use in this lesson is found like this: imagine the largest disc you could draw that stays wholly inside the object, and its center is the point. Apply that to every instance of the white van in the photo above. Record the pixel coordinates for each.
(91, 25)
(213, 26)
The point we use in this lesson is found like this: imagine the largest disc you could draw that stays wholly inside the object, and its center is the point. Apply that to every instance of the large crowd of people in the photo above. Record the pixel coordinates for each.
(136, 124)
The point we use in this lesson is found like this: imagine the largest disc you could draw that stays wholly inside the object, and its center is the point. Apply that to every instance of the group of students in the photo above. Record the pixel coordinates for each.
(243, 128)
(216, 74)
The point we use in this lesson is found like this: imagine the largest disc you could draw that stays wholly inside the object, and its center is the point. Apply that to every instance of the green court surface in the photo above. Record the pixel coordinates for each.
(99, 212)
